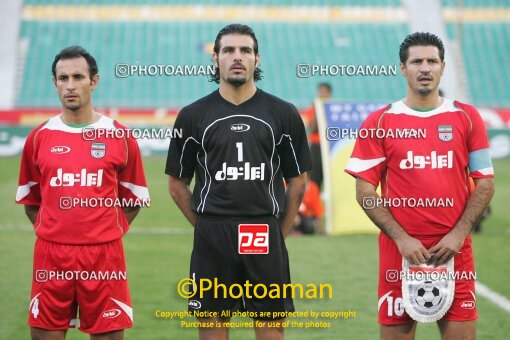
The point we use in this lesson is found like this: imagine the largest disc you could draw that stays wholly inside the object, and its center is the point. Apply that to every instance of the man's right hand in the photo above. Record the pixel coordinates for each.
(409, 247)
(31, 211)
(412, 250)
(182, 196)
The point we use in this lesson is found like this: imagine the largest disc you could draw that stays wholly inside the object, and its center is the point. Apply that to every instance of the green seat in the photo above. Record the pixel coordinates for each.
(282, 46)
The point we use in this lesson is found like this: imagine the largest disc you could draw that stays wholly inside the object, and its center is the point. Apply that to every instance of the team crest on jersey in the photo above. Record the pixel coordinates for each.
(445, 132)
(98, 150)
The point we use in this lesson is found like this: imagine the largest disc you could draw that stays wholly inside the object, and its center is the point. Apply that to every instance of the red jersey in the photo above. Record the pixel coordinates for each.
(311, 205)
(311, 117)
(59, 165)
(432, 167)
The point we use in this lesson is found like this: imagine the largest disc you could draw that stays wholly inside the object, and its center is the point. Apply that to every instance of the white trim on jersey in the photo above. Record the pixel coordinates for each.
(56, 123)
(381, 300)
(401, 108)
(272, 181)
(127, 309)
(24, 190)
(139, 191)
(293, 152)
(486, 171)
(273, 199)
(281, 138)
(182, 153)
(272, 178)
(359, 165)
(205, 183)
(32, 301)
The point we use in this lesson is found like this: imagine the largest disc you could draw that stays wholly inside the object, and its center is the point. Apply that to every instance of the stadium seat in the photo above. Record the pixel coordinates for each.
(282, 46)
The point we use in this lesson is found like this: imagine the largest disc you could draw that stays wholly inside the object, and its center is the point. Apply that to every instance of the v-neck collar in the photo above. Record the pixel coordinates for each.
(240, 106)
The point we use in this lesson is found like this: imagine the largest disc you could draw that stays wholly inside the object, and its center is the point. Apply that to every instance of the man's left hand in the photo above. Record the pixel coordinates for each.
(446, 248)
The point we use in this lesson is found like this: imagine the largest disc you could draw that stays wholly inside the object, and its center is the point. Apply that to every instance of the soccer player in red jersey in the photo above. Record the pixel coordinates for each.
(434, 167)
(81, 193)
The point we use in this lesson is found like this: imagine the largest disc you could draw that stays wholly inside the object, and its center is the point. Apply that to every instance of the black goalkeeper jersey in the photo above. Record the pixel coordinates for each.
(239, 154)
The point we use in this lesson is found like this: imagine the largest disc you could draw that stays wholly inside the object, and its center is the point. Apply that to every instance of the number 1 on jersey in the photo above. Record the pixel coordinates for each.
(239, 147)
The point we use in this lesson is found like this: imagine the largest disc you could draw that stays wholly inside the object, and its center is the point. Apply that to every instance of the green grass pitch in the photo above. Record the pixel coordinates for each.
(158, 248)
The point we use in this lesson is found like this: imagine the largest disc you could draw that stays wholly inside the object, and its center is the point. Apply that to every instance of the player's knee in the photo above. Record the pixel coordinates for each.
(457, 330)
(113, 335)
(398, 332)
(273, 333)
(42, 334)
(213, 333)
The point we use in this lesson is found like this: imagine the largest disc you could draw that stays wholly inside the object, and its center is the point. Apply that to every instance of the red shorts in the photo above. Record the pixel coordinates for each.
(391, 307)
(90, 279)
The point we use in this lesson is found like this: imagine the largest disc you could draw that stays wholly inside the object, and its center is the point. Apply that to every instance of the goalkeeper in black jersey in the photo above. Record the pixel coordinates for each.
(240, 143)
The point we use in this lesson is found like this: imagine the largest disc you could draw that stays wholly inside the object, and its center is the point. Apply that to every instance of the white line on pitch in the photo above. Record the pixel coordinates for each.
(496, 298)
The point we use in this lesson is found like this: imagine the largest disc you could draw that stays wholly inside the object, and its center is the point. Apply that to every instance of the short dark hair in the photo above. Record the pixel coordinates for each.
(75, 52)
(420, 39)
(326, 85)
(236, 29)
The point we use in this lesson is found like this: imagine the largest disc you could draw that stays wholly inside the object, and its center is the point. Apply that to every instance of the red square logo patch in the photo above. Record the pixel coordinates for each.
(253, 239)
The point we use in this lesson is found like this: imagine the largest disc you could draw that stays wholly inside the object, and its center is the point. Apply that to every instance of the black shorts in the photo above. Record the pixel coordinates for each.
(241, 264)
